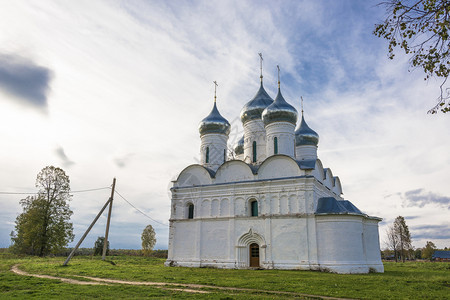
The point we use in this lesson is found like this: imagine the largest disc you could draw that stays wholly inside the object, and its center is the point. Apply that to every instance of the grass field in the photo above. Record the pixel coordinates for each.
(411, 280)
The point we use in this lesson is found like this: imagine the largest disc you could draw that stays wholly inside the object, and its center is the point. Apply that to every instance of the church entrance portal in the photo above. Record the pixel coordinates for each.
(254, 255)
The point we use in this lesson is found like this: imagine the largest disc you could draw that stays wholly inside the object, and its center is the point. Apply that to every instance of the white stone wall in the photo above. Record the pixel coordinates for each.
(217, 144)
(306, 152)
(284, 132)
(254, 131)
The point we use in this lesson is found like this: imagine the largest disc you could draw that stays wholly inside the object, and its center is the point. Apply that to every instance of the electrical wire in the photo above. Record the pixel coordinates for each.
(70, 192)
(139, 209)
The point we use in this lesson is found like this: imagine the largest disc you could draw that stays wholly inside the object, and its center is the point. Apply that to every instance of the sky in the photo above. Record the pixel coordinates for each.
(108, 89)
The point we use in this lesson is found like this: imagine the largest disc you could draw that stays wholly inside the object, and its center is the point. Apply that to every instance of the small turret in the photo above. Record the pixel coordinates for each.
(214, 131)
(279, 121)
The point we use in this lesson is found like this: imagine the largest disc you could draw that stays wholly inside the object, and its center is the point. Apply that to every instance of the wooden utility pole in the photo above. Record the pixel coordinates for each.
(105, 244)
(92, 224)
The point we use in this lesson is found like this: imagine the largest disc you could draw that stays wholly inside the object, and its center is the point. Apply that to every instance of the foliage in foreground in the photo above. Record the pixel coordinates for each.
(413, 280)
(421, 28)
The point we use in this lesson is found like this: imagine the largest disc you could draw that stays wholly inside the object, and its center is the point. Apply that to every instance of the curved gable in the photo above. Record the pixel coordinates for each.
(193, 175)
(337, 189)
(279, 166)
(318, 171)
(234, 171)
(328, 178)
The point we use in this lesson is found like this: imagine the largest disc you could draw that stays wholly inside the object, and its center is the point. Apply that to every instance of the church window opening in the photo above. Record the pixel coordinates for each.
(254, 208)
(275, 145)
(207, 155)
(191, 211)
(224, 155)
(254, 151)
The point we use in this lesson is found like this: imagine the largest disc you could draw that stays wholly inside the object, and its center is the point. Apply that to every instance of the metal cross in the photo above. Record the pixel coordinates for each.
(278, 67)
(260, 63)
(215, 90)
(302, 104)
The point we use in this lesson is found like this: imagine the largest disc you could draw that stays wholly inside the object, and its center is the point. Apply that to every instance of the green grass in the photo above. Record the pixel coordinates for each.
(411, 280)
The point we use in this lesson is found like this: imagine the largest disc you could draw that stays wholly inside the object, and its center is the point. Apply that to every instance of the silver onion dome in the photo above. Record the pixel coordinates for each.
(254, 108)
(214, 123)
(239, 146)
(305, 135)
(279, 111)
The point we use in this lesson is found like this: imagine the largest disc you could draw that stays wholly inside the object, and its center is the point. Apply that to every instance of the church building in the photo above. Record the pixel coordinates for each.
(273, 206)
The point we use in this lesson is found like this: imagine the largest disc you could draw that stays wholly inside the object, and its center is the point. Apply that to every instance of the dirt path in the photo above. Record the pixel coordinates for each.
(184, 287)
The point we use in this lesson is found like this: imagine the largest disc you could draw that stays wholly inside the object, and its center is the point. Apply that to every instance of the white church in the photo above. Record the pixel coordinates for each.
(274, 206)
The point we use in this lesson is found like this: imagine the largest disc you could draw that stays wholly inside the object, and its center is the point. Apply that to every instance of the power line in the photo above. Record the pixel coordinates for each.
(70, 192)
(139, 209)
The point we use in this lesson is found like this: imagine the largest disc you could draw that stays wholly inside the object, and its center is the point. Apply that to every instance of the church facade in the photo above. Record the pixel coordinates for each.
(273, 206)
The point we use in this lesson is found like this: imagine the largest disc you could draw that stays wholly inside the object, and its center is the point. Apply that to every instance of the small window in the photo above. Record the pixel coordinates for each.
(224, 155)
(191, 211)
(275, 145)
(254, 151)
(207, 155)
(254, 208)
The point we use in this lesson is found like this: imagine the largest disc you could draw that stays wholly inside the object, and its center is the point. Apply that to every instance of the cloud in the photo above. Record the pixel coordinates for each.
(62, 155)
(429, 232)
(123, 161)
(420, 198)
(25, 79)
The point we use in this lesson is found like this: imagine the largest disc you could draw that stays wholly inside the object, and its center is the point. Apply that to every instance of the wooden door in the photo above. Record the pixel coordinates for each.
(254, 255)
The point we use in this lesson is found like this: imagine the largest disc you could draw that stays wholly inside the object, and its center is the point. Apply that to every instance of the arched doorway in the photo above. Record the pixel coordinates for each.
(254, 255)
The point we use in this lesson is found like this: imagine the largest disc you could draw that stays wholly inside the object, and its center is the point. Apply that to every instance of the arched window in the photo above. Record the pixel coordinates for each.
(275, 145)
(191, 211)
(254, 208)
(254, 151)
(207, 155)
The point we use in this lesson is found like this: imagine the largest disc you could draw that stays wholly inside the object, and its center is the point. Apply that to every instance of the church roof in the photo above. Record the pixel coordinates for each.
(239, 146)
(329, 205)
(279, 111)
(214, 123)
(304, 135)
(254, 108)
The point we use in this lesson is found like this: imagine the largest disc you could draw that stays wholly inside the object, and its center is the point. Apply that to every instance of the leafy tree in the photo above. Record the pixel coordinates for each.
(43, 227)
(98, 246)
(403, 237)
(418, 253)
(148, 238)
(421, 29)
(428, 250)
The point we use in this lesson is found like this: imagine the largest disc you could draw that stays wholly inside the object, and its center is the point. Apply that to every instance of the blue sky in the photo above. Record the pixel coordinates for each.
(109, 89)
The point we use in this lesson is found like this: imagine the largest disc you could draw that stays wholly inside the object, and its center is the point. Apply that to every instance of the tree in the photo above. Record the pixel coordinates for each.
(98, 246)
(428, 250)
(392, 242)
(403, 237)
(43, 227)
(421, 29)
(148, 238)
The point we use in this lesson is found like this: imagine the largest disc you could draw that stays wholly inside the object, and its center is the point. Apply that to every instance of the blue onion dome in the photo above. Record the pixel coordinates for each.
(239, 146)
(214, 123)
(305, 135)
(254, 108)
(279, 111)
